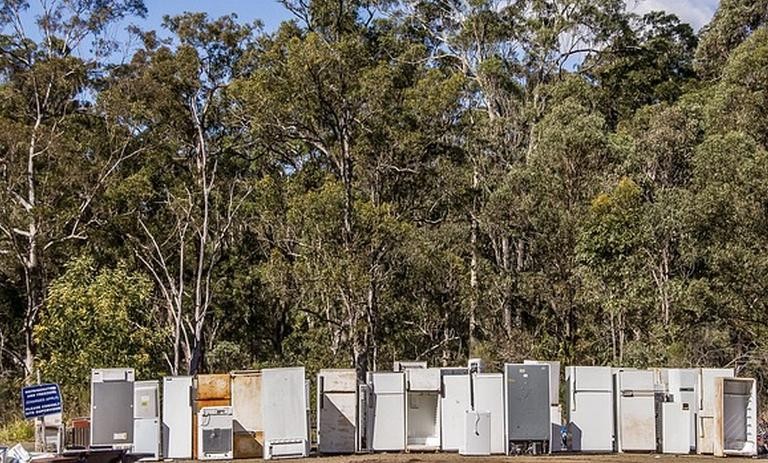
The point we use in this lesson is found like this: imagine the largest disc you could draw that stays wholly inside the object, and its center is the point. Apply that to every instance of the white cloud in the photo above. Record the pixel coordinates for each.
(697, 13)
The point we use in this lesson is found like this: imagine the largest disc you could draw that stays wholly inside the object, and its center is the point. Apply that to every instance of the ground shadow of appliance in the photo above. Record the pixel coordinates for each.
(573, 441)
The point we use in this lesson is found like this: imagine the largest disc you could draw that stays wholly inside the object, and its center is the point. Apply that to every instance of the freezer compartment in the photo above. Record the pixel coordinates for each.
(423, 379)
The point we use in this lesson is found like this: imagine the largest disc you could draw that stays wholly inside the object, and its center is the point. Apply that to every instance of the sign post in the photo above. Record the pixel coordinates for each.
(39, 401)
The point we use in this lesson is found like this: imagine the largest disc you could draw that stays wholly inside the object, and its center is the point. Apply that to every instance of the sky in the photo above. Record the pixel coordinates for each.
(271, 12)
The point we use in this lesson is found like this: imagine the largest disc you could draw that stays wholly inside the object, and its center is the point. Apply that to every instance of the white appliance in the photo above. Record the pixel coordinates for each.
(177, 417)
(402, 365)
(735, 417)
(683, 387)
(112, 407)
(477, 432)
(488, 390)
(705, 439)
(214, 433)
(635, 411)
(554, 378)
(676, 428)
(422, 410)
(146, 419)
(590, 408)
(453, 409)
(386, 411)
(284, 411)
(336, 411)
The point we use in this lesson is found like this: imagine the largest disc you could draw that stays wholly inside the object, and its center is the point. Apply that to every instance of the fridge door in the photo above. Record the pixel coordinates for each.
(637, 424)
(554, 378)
(676, 424)
(388, 382)
(489, 397)
(477, 432)
(592, 378)
(527, 401)
(112, 407)
(177, 417)
(388, 433)
(454, 405)
(284, 402)
(337, 411)
(423, 379)
(591, 422)
(146, 437)
(684, 388)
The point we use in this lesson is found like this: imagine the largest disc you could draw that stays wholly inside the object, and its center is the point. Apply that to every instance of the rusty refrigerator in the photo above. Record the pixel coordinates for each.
(248, 425)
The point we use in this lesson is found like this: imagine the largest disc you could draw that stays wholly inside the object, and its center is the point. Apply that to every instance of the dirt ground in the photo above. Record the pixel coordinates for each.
(565, 458)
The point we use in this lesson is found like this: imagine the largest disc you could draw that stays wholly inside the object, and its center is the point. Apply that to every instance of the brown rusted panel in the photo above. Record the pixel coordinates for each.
(246, 401)
(248, 445)
(209, 387)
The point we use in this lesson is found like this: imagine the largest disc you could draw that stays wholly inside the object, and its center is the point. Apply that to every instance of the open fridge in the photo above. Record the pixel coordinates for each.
(590, 408)
(735, 417)
(705, 438)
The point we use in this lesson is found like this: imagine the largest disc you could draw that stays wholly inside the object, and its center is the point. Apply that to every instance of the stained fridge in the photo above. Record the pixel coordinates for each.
(337, 401)
(386, 411)
(247, 422)
(590, 408)
(635, 411)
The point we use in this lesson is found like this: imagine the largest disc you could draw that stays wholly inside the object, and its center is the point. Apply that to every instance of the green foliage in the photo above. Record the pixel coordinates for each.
(97, 318)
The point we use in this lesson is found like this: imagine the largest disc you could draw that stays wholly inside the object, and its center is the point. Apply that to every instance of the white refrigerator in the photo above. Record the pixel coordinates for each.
(635, 411)
(453, 409)
(590, 409)
(146, 419)
(177, 417)
(386, 413)
(683, 386)
(284, 411)
(336, 411)
(488, 391)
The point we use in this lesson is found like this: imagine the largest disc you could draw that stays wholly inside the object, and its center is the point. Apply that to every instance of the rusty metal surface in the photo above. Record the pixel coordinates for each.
(209, 387)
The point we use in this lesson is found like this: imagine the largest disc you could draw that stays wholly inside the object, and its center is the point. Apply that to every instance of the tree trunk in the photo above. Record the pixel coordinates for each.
(473, 283)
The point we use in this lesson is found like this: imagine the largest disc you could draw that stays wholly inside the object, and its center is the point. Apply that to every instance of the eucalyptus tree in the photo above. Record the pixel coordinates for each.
(57, 148)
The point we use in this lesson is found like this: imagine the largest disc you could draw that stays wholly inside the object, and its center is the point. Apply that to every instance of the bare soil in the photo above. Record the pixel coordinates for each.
(563, 458)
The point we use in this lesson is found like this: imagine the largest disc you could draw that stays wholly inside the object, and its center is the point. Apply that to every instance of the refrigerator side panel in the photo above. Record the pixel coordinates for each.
(177, 417)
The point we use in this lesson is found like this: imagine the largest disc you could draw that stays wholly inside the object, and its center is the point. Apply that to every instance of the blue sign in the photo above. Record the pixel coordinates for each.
(41, 400)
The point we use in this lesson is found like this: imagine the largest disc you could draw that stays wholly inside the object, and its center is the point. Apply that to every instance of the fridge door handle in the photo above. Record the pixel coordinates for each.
(320, 391)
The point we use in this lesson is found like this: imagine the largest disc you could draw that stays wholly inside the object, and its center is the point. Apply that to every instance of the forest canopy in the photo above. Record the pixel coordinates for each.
(380, 180)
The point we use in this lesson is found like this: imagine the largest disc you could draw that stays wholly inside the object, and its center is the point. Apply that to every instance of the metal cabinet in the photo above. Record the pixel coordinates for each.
(528, 413)
(112, 407)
